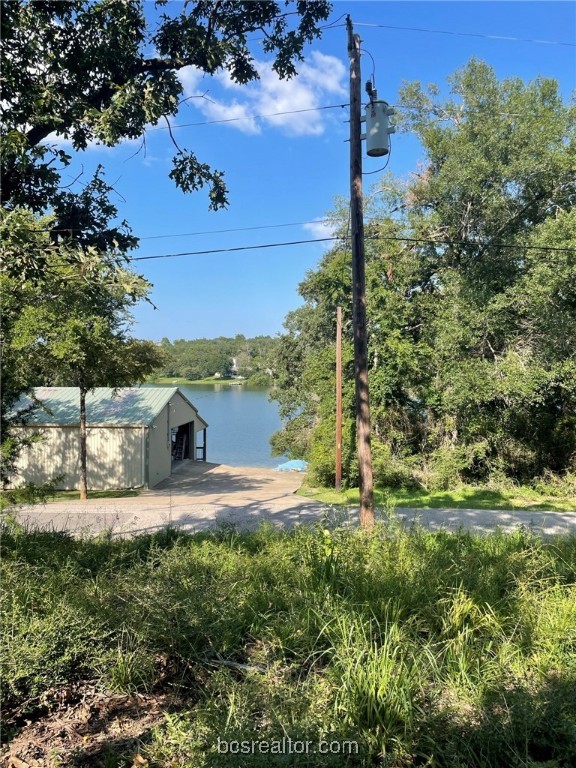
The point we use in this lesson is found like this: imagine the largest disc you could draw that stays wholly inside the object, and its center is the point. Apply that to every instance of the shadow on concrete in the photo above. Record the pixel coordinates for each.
(194, 478)
(202, 495)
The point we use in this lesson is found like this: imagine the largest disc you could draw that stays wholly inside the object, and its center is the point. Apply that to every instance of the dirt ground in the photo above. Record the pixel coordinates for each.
(84, 727)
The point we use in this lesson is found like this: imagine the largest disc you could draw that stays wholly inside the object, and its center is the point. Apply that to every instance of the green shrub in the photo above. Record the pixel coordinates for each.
(552, 484)
(391, 471)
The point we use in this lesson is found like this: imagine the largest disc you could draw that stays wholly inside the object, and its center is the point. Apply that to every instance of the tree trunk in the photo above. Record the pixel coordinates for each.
(83, 433)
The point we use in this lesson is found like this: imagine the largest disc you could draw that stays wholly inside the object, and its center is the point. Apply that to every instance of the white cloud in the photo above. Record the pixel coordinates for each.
(62, 142)
(319, 228)
(197, 91)
(320, 77)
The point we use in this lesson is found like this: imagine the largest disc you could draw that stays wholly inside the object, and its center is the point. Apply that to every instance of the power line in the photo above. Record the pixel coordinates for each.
(187, 234)
(249, 117)
(231, 250)
(235, 229)
(332, 239)
(507, 38)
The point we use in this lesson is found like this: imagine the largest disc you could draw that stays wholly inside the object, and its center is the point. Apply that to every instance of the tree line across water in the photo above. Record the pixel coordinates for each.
(194, 359)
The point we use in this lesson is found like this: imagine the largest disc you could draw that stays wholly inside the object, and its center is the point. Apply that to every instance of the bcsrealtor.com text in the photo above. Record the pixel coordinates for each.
(286, 746)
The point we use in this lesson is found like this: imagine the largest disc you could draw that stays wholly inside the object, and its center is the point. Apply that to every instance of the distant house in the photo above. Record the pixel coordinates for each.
(133, 438)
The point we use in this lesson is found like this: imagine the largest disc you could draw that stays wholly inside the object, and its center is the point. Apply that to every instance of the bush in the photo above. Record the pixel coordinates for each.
(449, 466)
(552, 484)
(392, 471)
(259, 379)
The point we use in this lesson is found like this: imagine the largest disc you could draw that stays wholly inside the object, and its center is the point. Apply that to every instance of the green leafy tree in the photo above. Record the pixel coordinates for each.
(470, 323)
(81, 69)
(73, 331)
(202, 358)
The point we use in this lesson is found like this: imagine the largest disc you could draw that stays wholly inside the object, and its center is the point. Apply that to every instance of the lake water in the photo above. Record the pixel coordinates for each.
(240, 423)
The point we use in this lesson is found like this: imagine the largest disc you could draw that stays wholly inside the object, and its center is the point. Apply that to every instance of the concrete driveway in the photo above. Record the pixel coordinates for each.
(199, 495)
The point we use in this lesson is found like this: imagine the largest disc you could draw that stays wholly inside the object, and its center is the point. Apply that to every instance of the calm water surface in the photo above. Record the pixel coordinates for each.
(240, 423)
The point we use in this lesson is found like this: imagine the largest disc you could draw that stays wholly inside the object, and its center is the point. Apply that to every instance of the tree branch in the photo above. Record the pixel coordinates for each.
(171, 134)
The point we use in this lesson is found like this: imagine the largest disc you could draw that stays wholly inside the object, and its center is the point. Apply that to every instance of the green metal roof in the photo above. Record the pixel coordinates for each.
(129, 407)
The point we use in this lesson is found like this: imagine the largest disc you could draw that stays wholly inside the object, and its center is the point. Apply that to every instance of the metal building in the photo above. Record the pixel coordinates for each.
(134, 436)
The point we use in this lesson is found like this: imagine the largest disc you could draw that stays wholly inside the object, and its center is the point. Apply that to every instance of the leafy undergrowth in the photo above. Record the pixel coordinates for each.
(467, 497)
(312, 647)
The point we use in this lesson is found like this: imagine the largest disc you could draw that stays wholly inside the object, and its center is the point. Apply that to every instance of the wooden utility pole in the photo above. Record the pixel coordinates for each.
(359, 287)
(338, 483)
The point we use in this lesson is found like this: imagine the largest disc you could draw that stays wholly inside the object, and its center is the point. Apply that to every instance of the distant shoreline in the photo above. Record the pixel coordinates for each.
(177, 382)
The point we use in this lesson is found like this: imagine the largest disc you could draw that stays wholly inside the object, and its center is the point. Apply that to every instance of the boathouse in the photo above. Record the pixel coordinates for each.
(135, 436)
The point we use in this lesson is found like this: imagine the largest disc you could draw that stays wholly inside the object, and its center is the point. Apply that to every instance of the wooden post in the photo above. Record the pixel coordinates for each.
(359, 287)
(338, 483)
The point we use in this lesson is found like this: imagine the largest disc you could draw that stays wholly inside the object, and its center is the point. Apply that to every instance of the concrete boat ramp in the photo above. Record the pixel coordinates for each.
(198, 495)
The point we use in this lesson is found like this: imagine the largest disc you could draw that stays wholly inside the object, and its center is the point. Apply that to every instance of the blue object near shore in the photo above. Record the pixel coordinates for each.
(296, 465)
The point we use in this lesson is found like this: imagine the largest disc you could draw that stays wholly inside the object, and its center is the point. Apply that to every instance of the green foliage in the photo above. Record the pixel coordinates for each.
(79, 69)
(421, 647)
(551, 493)
(391, 471)
(67, 324)
(260, 379)
(471, 319)
(201, 358)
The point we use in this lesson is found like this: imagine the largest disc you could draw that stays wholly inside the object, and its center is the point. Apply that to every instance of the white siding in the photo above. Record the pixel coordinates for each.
(181, 413)
(160, 450)
(114, 457)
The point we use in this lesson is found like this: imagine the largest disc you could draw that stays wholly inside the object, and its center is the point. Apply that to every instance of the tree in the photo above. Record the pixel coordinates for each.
(201, 358)
(80, 69)
(471, 324)
(71, 328)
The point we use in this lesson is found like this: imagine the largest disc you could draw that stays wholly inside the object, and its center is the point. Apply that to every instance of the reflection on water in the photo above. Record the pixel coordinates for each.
(241, 421)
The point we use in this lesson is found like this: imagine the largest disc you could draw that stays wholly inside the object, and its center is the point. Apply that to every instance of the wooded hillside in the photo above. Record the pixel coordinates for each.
(471, 299)
(200, 358)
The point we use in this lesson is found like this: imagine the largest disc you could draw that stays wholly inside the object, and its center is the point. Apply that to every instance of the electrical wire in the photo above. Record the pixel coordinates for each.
(369, 173)
(506, 38)
(373, 78)
(334, 24)
(334, 238)
(231, 250)
(187, 234)
(249, 117)
(235, 229)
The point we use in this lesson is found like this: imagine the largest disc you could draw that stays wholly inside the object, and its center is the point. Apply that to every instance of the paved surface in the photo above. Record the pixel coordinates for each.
(199, 495)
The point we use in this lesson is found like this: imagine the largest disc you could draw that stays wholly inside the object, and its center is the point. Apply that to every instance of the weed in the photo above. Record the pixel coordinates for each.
(423, 648)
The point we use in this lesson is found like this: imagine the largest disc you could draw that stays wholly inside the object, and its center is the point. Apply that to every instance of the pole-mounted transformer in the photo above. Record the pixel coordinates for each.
(378, 129)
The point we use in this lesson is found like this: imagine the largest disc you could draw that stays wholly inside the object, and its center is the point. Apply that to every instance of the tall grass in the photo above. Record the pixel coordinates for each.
(425, 648)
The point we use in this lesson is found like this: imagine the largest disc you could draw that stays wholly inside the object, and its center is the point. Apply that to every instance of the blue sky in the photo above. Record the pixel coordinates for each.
(289, 169)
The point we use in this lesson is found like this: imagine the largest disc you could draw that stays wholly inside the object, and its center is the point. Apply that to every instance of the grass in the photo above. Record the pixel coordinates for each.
(463, 498)
(423, 649)
(519, 498)
(108, 494)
